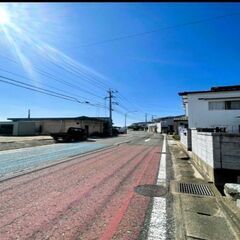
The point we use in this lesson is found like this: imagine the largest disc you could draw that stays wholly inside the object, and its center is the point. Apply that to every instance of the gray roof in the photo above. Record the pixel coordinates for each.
(168, 117)
(214, 89)
(101, 119)
(181, 118)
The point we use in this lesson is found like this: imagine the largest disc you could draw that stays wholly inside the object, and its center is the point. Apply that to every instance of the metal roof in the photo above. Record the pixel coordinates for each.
(214, 89)
(101, 119)
(182, 118)
(168, 117)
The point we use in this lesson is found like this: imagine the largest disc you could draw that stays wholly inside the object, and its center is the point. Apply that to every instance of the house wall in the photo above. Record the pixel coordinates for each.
(26, 129)
(52, 126)
(199, 116)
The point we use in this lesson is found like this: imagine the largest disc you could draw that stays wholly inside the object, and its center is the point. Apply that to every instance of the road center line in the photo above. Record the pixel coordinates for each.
(158, 221)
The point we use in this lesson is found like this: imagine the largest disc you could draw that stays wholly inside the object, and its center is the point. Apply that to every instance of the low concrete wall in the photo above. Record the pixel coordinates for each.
(217, 155)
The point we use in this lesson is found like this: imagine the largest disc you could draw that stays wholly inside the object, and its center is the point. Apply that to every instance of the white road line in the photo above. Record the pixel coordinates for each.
(158, 222)
(147, 140)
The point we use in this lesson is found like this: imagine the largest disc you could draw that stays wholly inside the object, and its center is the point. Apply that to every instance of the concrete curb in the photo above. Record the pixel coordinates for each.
(119, 143)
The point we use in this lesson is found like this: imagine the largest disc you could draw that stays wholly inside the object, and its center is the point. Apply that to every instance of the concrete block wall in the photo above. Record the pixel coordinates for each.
(202, 146)
(217, 154)
(227, 151)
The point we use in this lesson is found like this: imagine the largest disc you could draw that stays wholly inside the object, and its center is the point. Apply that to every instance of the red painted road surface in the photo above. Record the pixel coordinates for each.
(89, 197)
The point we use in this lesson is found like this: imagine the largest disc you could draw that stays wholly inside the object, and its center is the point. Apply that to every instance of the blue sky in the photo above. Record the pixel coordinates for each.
(148, 71)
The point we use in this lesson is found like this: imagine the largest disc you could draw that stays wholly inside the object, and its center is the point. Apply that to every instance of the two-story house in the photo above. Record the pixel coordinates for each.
(217, 107)
(213, 131)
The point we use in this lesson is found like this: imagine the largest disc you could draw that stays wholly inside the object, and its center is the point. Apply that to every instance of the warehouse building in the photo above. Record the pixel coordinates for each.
(45, 126)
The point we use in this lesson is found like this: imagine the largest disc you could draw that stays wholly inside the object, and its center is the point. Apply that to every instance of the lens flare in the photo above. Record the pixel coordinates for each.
(4, 17)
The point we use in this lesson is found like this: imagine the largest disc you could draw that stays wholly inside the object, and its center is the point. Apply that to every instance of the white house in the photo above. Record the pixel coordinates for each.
(217, 107)
(216, 153)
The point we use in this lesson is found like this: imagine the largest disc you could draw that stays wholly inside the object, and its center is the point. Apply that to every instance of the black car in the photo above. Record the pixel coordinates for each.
(73, 134)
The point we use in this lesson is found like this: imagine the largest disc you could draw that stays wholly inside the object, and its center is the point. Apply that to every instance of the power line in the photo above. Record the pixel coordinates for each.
(20, 76)
(158, 29)
(32, 89)
(43, 91)
(49, 75)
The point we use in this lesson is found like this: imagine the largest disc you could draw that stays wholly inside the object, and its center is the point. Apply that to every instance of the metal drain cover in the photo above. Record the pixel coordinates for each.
(195, 189)
(151, 190)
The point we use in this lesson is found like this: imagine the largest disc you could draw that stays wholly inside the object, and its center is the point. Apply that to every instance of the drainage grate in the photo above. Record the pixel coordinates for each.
(196, 189)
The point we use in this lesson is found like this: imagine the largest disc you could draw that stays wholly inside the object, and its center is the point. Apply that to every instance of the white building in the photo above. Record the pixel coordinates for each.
(165, 124)
(152, 127)
(217, 107)
(215, 153)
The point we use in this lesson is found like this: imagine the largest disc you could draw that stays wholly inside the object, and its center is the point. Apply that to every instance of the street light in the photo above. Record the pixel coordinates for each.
(126, 119)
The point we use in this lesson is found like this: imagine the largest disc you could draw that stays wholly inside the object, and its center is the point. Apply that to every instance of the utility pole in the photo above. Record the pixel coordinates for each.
(125, 125)
(29, 113)
(110, 96)
(146, 121)
(153, 116)
(110, 110)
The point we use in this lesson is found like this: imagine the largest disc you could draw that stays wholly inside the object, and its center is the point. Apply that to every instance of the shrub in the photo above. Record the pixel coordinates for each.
(176, 136)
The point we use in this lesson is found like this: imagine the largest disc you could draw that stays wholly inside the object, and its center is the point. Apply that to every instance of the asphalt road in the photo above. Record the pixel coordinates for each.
(18, 161)
(87, 197)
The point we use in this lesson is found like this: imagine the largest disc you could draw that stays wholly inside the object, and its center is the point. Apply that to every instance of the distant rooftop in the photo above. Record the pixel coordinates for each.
(60, 118)
(214, 89)
(181, 118)
(168, 117)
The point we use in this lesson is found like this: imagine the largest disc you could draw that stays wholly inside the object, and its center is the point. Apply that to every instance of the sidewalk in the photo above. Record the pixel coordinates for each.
(200, 211)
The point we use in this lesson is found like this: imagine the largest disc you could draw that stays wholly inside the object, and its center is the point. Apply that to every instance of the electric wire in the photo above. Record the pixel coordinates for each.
(43, 90)
(158, 29)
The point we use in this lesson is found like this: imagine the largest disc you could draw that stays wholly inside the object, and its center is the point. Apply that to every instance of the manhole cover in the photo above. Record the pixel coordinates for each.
(151, 190)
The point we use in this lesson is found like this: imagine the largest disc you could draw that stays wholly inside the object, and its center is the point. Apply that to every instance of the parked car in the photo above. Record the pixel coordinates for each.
(122, 130)
(73, 134)
(115, 131)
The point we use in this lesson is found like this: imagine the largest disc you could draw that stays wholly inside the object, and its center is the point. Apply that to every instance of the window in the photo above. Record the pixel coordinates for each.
(217, 105)
(224, 105)
(233, 105)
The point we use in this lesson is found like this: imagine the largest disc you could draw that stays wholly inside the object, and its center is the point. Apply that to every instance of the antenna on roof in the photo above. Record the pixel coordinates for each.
(29, 113)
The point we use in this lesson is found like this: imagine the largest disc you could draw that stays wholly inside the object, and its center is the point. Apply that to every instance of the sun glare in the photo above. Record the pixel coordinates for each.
(4, 17)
